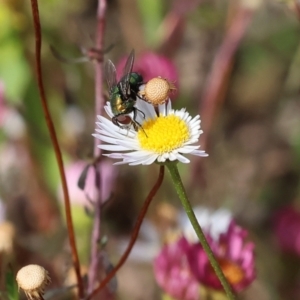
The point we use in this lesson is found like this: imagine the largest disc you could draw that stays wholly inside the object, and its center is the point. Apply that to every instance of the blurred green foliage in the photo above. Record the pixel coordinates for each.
(254, 143)
(152, 12)
(11, 285)
(14, 67)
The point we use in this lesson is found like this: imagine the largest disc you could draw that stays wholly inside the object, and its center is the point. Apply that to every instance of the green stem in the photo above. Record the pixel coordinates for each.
(172, 167)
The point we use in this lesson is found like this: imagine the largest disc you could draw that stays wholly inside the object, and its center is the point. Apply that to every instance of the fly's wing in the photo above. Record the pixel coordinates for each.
(60, 57)
(125, 81)
(110, 74)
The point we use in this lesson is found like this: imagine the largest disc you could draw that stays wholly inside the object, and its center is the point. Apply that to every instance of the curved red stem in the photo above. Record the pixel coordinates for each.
(134, 234)
(52, 132)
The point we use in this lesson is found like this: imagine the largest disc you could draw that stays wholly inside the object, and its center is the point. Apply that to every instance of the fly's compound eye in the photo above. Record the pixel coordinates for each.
(124, 119)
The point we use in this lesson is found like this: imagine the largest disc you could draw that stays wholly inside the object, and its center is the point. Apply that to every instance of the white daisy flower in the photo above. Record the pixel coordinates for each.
(213, 222)
(166, 136)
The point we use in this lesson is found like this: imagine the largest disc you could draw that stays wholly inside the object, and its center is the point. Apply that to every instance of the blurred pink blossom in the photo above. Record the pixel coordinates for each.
(150, 65)
(3, 106)
(234, 254)
(173, 274)
(183, 265)
(73, 173)
(287, 229)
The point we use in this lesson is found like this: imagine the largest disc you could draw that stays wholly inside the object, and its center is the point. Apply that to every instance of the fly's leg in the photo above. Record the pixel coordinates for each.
(115, 121)
(136, 124)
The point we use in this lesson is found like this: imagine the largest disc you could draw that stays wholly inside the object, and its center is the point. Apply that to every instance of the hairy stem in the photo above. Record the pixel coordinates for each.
(99, 102)
(172, 167)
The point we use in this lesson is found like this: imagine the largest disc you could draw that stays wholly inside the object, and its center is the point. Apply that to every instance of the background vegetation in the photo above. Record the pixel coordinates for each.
(239, 67)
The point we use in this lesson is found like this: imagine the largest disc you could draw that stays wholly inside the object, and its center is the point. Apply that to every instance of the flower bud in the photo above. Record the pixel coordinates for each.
(157, 90)
(33, 279)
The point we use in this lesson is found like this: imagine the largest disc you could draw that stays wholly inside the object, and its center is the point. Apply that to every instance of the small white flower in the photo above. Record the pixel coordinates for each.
(162, 137)
(212, 222)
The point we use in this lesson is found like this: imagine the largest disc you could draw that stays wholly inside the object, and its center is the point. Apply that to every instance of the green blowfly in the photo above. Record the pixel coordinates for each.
(123, 94)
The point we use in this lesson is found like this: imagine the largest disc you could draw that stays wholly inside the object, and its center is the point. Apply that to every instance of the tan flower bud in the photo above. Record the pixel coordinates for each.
(7, 235)
(33, 279)
(157, 90)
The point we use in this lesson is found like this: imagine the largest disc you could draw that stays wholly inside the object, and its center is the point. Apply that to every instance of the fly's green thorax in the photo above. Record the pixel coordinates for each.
(135, 81)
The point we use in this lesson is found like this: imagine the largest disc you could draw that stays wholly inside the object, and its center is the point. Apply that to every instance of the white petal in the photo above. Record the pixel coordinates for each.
(147, 109)
(105, 139)
(138, 154)
(113, 147)
(108, 111)
(136, 161)
(145, 161)
(161, 158)
(183, 159)
(162, 109)
(199, 153)
(151, 159)
(114, 155)
(133, 145)
(120, 163)
(188, 149)
(172, 156)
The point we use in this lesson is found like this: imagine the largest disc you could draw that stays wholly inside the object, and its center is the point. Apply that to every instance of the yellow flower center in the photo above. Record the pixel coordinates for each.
(232, 271)
(163, 134)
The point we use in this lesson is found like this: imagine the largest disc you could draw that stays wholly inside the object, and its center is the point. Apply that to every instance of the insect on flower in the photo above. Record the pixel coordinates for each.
(123, 94)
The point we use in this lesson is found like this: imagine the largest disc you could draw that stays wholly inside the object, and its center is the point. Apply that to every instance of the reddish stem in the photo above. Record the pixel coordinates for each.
(217, 82)
(95, 264)
(297, 8)
(98, 64)
(134, 234)
(173, 25)
(50, 125)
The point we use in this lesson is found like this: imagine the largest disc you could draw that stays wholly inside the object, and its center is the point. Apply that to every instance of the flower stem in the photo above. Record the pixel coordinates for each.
(95, 266)
(57, 150)
(134, 235)
(172, 167)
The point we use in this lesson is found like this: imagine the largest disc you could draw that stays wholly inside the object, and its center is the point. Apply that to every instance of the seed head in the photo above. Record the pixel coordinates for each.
(157, 90)
(7, 235)
(33, 279)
